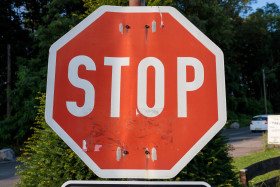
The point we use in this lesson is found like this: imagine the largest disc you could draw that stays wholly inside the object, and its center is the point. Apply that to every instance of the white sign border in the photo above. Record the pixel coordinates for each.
(174, 183)
(130, 173)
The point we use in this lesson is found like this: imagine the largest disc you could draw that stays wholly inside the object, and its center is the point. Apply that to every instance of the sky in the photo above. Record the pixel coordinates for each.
(261, 3)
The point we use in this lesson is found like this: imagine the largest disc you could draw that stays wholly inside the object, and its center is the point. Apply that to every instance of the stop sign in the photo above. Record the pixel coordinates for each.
(136, 92)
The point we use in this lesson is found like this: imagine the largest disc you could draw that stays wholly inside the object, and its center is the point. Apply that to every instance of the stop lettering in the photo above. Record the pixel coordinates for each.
(117, 63)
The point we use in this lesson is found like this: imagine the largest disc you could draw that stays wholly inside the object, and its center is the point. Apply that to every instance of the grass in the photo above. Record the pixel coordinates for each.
(265, 176)
(245, 161)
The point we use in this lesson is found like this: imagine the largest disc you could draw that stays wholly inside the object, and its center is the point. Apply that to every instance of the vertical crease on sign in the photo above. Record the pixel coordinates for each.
(161, 20)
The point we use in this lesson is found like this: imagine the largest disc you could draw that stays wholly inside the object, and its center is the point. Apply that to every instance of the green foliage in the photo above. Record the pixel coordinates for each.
(47, 23)
(92, 5)
(243, 109)
(255, 51)
(212, 165)
(47, 160)
(11, 33)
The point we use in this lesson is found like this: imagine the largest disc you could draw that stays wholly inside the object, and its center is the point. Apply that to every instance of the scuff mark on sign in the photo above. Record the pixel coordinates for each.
(154, 154)
(121, 28)
(97, 147)
(154, 26)
(119, 154)
(84, 145)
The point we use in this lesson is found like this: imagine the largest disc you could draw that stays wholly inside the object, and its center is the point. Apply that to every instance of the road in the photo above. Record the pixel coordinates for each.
(7, 174)
(244, 142)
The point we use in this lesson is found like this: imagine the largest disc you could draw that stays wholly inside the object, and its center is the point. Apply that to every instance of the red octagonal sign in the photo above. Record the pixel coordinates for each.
(136, 92)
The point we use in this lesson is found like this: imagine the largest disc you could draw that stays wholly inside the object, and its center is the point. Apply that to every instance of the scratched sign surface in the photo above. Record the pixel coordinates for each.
(136, 92)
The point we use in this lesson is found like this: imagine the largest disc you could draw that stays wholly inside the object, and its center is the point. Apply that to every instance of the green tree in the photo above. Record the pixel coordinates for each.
(212, 164)
(256, 50)
(92, 5)
(46, 22)
(33, 13)
(11, 34)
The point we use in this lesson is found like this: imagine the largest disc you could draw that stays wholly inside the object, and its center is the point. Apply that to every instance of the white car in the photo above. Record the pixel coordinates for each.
(259, 123)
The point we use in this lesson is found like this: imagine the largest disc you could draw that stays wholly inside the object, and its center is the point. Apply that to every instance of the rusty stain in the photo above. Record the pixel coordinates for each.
(146, 32)
(147, 153)
(161, 20)
(147, 163)
(167, 138)
(125, 152)
(168, 132)
(144, 136)
(115, 140)
(127, 27)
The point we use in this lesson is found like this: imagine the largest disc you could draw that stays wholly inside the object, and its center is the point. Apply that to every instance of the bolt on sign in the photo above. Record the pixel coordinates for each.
(136, 92)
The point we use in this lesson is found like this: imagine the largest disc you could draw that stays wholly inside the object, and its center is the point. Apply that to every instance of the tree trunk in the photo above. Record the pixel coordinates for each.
(9, 72)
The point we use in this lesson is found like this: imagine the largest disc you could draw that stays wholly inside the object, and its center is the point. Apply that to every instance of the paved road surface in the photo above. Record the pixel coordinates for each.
(244, 142)
(7, 174)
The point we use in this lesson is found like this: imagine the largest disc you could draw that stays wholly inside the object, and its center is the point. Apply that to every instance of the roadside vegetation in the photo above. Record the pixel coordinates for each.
(245, 161)
(243, 120)
(47, 160)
